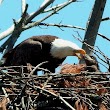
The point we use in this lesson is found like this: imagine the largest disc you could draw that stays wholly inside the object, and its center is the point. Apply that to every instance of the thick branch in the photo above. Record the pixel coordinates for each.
(11, 29)
(93, 24)
(17, 31)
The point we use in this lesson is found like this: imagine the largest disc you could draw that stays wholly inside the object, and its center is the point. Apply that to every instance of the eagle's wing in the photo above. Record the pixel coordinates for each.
(27, 52)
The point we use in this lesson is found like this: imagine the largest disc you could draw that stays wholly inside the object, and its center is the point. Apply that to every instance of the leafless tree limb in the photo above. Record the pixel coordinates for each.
(27, 20)
(53, 12)
(11, 29)
(105, 19)
(23, 2)
(1, 2)
(40, 10)
(17, 31)
(60, 26)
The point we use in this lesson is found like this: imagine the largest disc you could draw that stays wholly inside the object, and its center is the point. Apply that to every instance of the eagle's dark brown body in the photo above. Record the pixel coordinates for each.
(34, 50)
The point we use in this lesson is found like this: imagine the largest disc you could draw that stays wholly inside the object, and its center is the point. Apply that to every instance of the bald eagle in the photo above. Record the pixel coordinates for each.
(42, 48)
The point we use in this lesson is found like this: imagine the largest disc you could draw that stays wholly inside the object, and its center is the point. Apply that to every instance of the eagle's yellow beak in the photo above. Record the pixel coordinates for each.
(80, 52)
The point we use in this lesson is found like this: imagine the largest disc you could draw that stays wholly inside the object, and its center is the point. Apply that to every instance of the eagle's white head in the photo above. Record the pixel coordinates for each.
(62, 48)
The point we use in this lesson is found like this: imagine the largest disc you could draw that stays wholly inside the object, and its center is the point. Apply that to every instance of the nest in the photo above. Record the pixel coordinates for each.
(81, 90)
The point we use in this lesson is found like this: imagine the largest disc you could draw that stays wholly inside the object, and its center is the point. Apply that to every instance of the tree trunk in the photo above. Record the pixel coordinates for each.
(93, 25)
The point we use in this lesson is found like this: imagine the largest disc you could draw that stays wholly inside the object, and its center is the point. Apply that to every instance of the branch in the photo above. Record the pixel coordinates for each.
(71, 26)
(60, 26)
(1, 2)
(17, 31)
(7, 32)
(32, 15)
(23, 5)
(66, 103)
(53, 94)
(103, 36)
(94, 51)
(6, 95)
(40, 10)
(53, 8)
(46, 2)
(91, 47)
(54, 11)
(105, 19)
(31, 73)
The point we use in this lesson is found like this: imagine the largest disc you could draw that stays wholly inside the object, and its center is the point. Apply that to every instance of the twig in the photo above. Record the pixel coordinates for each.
(41, 9)
(79, 88)
(36, 68)
(84, 73)
(23, 6)
(24, 87)
(103, 36)
(48, 79)
(105, 19)
(44, 90)
(44, 69)
(52, 13)
(6, 95)
(91, 47)
(23, 104)
(66, 103)
(6, 73)
(55, 7)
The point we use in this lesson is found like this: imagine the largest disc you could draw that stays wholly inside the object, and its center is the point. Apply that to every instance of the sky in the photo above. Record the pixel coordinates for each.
(75, 14)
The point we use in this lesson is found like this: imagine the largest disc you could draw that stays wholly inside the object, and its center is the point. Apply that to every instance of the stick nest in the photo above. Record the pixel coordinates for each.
(70, 89)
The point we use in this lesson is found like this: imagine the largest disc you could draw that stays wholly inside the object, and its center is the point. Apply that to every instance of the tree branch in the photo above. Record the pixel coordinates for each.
(23, 2)
(54, 11)
(105, 19)
(40, 10)
(1, 2)
(17, 31)
(11, 29)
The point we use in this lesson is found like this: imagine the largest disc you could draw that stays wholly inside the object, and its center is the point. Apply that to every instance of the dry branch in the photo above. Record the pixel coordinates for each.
(20, 25)
(40, 10)
(52, 13)
(17, 31)
(69, 26)
(1, 2)
(23, 2)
